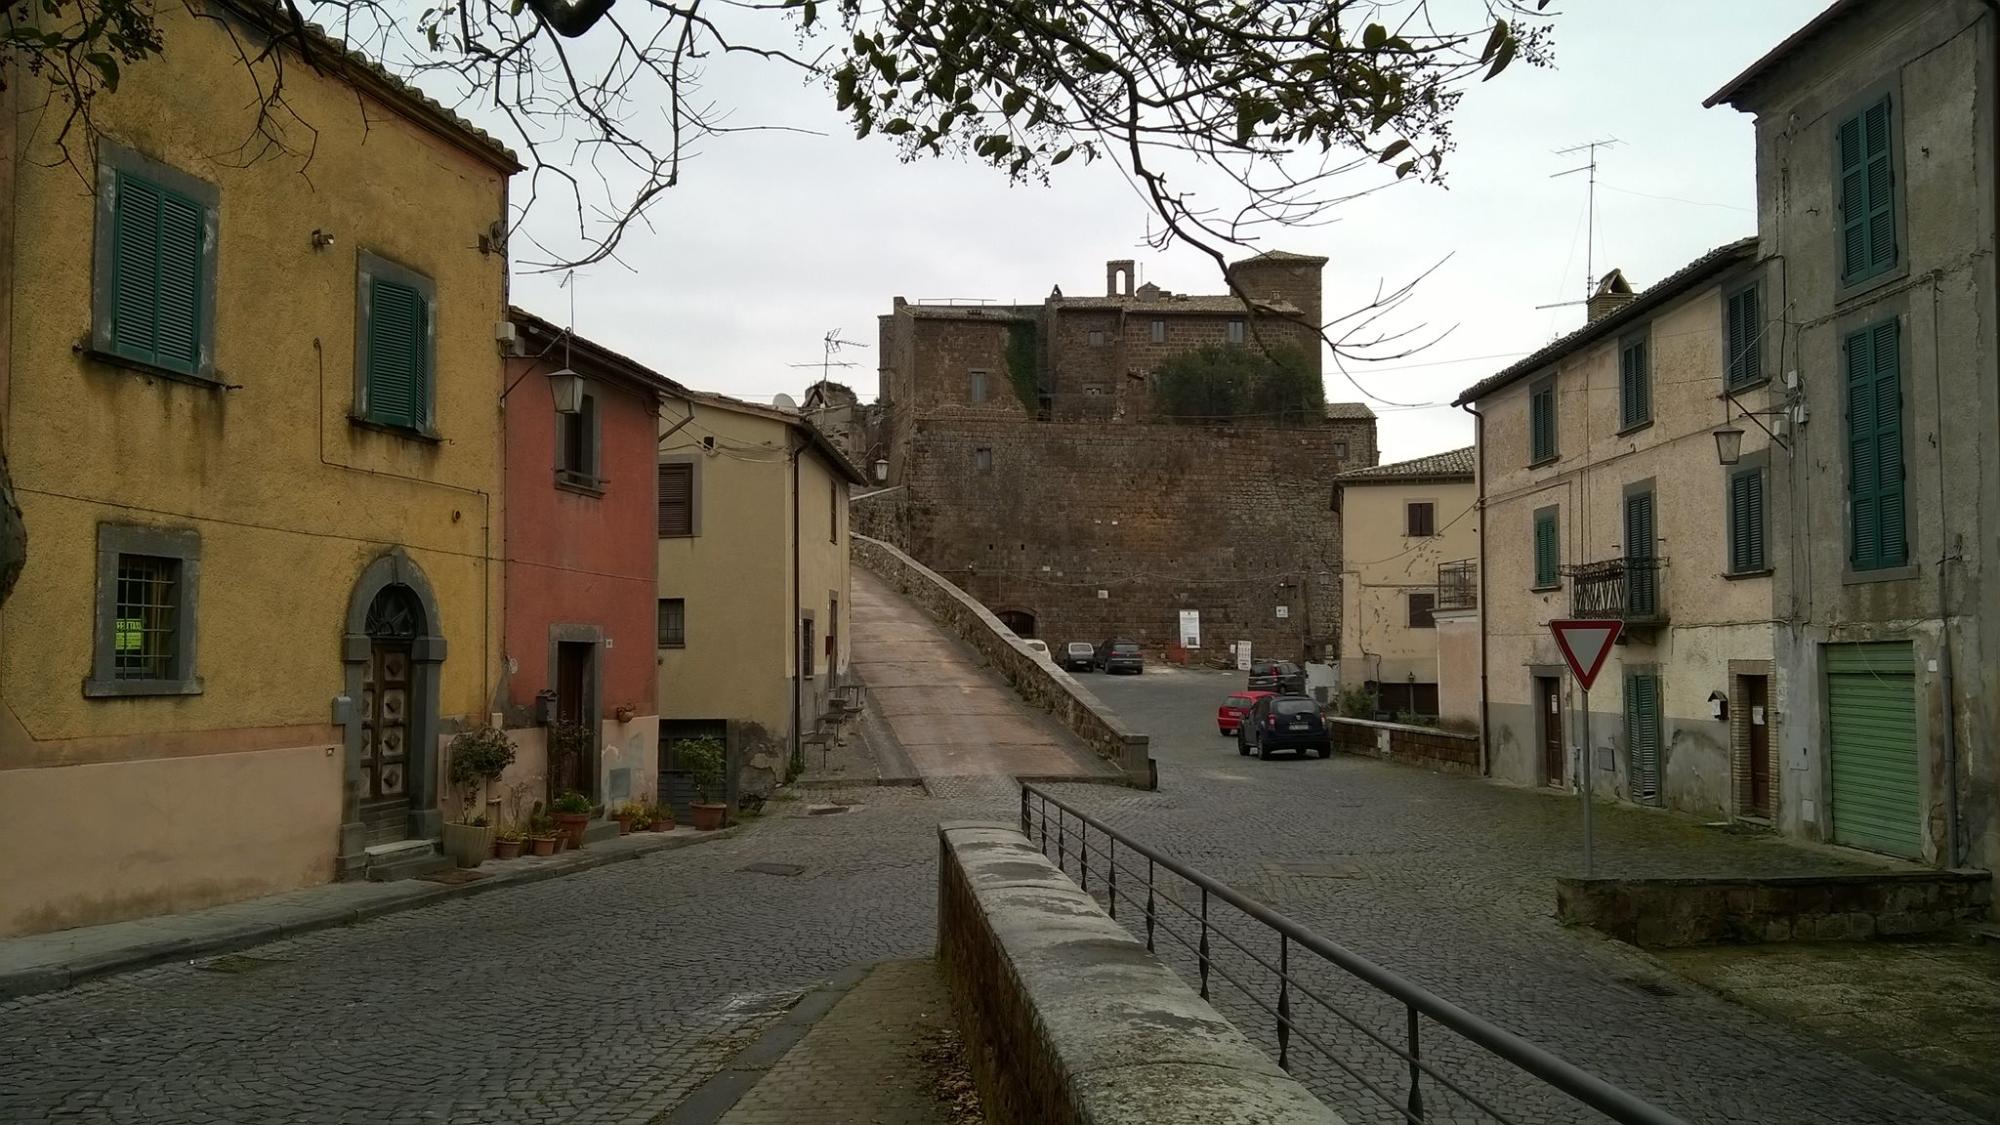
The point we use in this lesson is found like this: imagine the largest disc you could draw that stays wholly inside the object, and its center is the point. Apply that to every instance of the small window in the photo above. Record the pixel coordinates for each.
(1746, 521)
(1547, 550)
(1635, 384)
(1096, 338)
(576, 452)
(982, 459)
(1235, 331)
(673, 622)
(1422, 607)
(1877, 522)
(677, 506)
(395, 350)
(833, 511)
(147, 579)
(1744, 337)
(154, 288)
(1542, 422)
(976, 388)
(1340, 451)
(808, 660)
(1866, 154)
(1420, 519)
(1159, 332)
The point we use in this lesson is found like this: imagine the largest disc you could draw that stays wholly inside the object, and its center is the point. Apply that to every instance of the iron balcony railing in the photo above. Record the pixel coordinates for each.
(1278, 971)
(1626, 589)
(1458, 584)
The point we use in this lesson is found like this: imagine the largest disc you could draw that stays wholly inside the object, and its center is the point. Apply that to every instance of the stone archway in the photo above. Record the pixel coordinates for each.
(1021, 621)
(391, 649)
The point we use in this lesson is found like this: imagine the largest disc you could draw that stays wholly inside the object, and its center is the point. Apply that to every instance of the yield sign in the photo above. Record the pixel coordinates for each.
(1584, 645)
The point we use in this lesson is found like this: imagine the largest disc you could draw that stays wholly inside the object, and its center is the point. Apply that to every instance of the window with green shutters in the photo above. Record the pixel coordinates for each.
(1743, 337)
(1542, 422)
(1635, 384)
(1642, 737)
(154, 270)
(1867, 193)
(1875, 513)
(1746, 521)
(1547, 552)
(396, 376)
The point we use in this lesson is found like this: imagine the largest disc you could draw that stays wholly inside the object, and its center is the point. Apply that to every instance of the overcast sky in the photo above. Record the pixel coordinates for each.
(772, 239)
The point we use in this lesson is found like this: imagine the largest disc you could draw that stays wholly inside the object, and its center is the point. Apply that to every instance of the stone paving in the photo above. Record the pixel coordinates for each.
(606, 996)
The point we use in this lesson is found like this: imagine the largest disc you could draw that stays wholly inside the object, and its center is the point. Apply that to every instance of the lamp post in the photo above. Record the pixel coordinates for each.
(567, 386)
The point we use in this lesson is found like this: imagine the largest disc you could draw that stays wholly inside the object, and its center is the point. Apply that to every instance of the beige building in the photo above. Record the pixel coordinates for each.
(1411, 532)
(753, 582)
(1603, 496)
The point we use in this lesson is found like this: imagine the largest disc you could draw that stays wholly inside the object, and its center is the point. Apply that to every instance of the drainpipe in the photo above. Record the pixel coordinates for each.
(1479, 453)
(798, 646)
(1946, 682)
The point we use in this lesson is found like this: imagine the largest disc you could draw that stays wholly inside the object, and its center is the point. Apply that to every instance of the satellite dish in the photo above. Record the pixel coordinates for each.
(785, 402)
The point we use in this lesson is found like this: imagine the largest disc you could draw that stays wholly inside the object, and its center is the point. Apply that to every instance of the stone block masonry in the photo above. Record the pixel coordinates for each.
(1441, 750)
(1666, 913)
(1085, 531)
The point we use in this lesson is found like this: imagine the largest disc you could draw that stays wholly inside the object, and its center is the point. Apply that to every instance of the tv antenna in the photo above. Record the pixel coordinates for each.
(1590, 213)
(831, 344)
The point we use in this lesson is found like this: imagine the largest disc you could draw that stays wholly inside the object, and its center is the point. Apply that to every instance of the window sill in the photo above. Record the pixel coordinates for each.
(119, 689)
(580, 484)
(1549, 460)
(1742, 388)
(679, 535)
(1845, 291)
(1738, 575)
(1885, 574)
(424, 435)
(1634, 428)
(113, 359)
(673, 647)
(1545, 589)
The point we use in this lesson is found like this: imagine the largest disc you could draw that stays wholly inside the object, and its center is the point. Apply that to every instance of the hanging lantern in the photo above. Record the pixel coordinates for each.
(567, 386)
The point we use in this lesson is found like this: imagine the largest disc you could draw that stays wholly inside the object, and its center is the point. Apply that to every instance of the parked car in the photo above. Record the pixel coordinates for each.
(1284, 722)
(1039, 648)
(1280, 676)
(1229, 713)
(1079, 656)
(1121, 656)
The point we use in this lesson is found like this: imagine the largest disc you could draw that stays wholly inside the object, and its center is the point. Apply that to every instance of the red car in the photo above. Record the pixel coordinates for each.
(1229, 714)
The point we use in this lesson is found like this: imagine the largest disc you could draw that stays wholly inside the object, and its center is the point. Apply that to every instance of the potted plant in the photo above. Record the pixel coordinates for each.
(507, 842)
(477, 758)
(572, 811)
(703, 759)
(663, 817)
(542, 834)
(630, 816)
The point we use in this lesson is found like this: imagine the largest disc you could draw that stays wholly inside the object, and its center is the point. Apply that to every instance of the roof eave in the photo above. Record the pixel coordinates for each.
(1776, 56)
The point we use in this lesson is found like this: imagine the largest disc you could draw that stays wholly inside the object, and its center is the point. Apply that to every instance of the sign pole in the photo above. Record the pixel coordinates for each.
(1585, 765)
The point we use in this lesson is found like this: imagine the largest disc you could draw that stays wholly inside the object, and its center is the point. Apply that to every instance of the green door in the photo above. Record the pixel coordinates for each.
(1872, 718)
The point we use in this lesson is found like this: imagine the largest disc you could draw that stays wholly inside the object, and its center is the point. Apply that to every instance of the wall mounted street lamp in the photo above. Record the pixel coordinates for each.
(1729, 445)
(1729, 439)
(567, 387)
(881, 470)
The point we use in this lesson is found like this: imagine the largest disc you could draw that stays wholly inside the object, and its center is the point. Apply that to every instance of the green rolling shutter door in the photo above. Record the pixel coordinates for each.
(1872, 720)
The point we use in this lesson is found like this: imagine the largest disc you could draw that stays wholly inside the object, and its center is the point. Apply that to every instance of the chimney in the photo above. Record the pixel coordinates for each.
(1118, 278)
(1613, 293)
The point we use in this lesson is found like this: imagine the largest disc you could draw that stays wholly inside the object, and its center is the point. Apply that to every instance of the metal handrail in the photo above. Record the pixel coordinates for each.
(1563, 1076)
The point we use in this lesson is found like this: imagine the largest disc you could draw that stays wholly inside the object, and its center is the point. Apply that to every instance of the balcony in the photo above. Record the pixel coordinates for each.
(1625, 589)
(1458, 584)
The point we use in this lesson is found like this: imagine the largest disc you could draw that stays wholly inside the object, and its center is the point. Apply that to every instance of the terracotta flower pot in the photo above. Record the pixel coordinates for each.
(506, 849)
(571, 825)
(624, 825)
(708, 818)
(544, 845)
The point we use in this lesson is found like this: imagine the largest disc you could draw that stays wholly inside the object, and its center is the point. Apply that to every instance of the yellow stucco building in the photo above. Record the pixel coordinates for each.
(1410, 532)
(754, 590)
(252, 412)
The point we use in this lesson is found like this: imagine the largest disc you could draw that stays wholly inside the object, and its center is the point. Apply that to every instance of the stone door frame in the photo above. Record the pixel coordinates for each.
(427, 652)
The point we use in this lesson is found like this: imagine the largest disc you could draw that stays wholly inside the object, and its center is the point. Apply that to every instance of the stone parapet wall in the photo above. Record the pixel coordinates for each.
(1667, 913)
(1441, 750)
(1069, 1020)
(1037, 681)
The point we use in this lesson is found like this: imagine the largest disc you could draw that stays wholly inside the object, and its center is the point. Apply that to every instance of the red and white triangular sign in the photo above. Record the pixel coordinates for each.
(1584, 645)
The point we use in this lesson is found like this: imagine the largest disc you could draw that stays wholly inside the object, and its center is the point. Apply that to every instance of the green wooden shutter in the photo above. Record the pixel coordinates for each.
(1744, 332)
(1634, 389)
(1875, 449)
(1874, 760)
(1641, 579)
(398, 354)
(1642, 737)
(157, 239)
(1867, 193)
(1546, 557)
(1542, 424)
(1746, 521)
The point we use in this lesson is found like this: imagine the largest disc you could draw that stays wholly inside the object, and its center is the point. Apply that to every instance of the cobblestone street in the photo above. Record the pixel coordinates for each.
(605, 997)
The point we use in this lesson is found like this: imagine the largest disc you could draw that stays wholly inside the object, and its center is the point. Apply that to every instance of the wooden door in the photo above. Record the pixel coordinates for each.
(1548, 704)
(385, 751)
(1757, 722)
(572, 705)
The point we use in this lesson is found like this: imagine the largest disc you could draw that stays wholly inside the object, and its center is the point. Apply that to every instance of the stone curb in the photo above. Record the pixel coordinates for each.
(712, 1099)
(229, 938)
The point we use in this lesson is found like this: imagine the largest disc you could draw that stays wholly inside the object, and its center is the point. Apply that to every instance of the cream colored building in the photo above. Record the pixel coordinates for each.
(1603, 495)
(753, 581)
(1409, 530)
(253, 421)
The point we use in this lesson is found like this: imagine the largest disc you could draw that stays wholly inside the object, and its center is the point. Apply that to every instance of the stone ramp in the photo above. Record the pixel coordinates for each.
(950, 714)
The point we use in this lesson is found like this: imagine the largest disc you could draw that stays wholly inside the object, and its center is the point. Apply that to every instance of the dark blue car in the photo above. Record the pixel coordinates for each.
(1284, 722)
